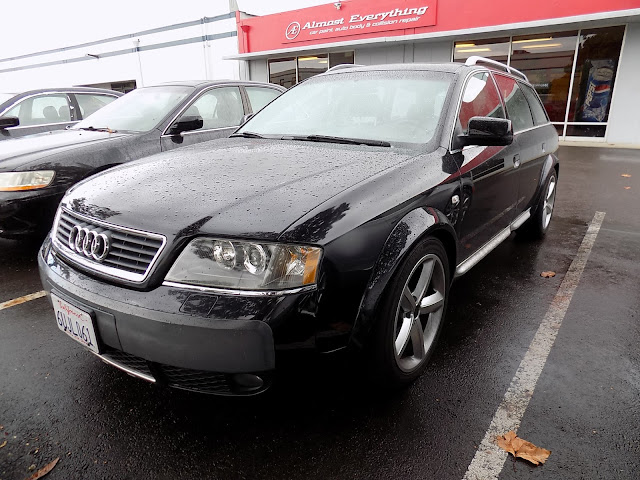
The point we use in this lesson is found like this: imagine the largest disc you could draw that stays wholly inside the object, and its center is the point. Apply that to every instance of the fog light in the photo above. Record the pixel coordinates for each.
(247, 381)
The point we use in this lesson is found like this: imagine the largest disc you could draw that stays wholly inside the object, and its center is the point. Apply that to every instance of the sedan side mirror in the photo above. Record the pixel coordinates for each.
(186, 123)
(487, 131)
(6, 122)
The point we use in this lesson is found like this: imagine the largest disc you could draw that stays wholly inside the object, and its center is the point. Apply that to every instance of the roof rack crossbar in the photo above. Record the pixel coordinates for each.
(474, 60)
(344, 65)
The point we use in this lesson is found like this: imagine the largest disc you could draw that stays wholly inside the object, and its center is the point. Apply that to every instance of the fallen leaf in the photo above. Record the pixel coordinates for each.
(3, 444)
(625, 175)
(44, 470)
(520, 448)
(548, 274)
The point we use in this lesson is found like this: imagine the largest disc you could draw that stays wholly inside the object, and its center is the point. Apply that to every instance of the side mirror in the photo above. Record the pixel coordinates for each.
(186, 123)
(246, 118)
(6, 122)
(487, 131)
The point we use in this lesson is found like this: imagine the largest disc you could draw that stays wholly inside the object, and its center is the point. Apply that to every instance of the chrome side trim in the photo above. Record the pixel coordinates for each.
(470, 262)
(18, 127)
(520, 219)
(133, 373)
(67, 254)
(184, 134)
(236, 292)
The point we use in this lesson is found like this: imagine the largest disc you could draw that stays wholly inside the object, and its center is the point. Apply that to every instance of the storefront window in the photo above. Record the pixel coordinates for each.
(547, 61)
(495, 49)
(579, 108)
(289, 71)
(598, 55)
(312, 65)
(282, 71)
(340, 58)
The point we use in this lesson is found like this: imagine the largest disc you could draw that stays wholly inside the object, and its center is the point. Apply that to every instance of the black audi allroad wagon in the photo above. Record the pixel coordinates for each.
(337, 217)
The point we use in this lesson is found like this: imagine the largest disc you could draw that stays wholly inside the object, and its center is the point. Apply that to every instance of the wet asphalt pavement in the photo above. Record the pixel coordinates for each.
(318, 422)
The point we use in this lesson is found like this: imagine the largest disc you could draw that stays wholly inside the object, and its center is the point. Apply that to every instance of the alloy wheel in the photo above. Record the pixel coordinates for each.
(419, 313)
(549, 200)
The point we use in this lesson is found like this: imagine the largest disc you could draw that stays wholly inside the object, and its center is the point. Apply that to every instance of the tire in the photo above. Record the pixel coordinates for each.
(396, 358)
(536, 227)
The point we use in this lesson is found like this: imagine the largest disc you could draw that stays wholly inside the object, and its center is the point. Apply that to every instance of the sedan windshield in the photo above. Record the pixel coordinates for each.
(382, 106)
(138, 111)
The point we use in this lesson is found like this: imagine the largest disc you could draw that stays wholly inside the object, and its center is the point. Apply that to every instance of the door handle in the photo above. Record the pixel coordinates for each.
(516, 160)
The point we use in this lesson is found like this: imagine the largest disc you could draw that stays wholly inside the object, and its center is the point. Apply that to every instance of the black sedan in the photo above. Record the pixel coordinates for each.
(49, 109)
(36, 171)
(336, 218)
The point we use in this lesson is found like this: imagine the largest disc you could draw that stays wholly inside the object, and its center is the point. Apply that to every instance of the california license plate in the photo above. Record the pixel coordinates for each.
(75, 322)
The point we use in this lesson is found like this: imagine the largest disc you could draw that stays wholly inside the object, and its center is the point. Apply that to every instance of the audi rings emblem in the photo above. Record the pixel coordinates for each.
(91, 244)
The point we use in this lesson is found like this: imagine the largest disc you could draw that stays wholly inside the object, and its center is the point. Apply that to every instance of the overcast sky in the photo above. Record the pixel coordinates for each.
(34, 25)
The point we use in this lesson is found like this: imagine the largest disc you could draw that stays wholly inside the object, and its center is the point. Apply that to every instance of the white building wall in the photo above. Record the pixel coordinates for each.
(423, 52)
(165, 54)
(624, 121)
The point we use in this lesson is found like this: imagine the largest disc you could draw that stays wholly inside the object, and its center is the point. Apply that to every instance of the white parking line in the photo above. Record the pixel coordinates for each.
(18, 301)
(489, 458)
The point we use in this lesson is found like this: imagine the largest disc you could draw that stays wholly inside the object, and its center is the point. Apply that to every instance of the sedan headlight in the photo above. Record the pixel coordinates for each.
(243, 265)
(19, 181)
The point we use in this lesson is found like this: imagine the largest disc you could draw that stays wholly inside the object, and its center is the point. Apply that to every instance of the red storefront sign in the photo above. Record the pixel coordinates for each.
(360, 19)
(286, 30)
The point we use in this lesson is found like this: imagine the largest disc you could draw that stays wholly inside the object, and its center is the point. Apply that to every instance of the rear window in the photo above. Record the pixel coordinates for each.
(517, 106)
(539, 114)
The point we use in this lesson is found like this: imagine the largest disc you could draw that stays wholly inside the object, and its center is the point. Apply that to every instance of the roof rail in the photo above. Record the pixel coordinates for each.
(474, 60)
(343, 66)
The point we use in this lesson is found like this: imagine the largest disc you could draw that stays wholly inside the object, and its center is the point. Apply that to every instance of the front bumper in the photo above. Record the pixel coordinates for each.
(196, 341)
(27, 213)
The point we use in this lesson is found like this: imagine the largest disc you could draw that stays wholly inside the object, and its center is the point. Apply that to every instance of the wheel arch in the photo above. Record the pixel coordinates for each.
(409, 231)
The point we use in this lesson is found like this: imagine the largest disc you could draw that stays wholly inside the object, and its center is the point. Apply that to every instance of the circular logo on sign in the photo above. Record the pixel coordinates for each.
(293, 30)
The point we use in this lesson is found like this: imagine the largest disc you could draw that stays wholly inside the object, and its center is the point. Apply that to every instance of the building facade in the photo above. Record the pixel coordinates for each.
(583, 60)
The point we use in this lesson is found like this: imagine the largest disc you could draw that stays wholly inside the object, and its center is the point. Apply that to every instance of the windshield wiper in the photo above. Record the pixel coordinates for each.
(97, 129)
(344, 140)
(247, 135)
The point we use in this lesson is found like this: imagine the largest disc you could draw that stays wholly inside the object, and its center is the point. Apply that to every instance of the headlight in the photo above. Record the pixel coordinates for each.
(19, 181)
(242, 265)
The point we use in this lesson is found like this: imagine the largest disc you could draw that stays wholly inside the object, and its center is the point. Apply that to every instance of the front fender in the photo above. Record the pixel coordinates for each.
(414, 226)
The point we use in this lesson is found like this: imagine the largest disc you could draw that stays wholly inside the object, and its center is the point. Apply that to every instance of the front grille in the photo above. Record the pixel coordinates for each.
(131, 253)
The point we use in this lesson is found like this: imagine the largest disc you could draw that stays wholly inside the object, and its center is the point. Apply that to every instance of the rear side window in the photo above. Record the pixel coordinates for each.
(259, 96)
(516, 103)
(480, 99)
(539, 114)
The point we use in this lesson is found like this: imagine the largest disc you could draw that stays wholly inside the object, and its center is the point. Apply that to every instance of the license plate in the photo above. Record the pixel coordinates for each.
(75, 322)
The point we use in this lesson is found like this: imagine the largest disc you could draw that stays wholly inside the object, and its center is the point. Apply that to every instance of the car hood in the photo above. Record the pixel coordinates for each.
(249, 188)
(19, 152)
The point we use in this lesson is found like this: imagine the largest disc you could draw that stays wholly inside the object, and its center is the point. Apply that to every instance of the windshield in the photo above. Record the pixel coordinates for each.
(6, 96)
(138, 111)
(395, 107)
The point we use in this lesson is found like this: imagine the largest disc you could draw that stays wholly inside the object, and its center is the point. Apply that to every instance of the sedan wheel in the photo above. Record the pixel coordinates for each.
(410, 316)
